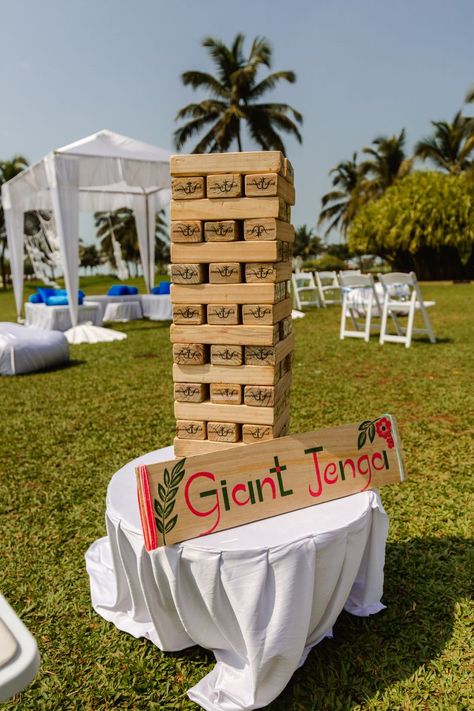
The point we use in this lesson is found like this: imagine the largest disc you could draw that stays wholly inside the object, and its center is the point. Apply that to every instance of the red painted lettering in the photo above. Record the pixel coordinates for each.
(211, 492)
(235, 491)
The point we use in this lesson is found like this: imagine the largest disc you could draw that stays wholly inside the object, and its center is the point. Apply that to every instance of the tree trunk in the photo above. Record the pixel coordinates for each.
(239, 142)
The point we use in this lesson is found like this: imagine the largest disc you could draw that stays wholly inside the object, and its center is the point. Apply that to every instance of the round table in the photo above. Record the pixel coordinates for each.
(260, 596)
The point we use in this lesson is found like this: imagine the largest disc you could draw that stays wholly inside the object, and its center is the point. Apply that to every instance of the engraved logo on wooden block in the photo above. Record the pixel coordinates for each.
(186, 230)
(228, 354)
(258, 230)
(259, 312)
(190, 429)
(260, 272)
(188, 353)
(188, 391)
(261, 396)
(262, 183)
(222, 430)
(188, 188)
(223, 312)
(257, 433)
(219, 229)
(227, 393)
(185, 273)
(225, 186)
(259, 353)
(225, 270)
(187, 312)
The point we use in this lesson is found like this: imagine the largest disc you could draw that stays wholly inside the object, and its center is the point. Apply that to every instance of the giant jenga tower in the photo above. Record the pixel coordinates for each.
(231, 265)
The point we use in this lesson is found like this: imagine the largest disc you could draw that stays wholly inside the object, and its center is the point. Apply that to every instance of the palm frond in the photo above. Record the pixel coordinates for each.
(198, 80)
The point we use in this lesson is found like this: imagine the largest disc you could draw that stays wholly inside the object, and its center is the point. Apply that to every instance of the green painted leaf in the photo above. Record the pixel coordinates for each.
(158, 508)
(169, 509)
(171, 524)
(162, 492)
(365, 425)
(361, 440)
(177, 472)
(159, 525)
(172, 493)
(166, 478)
(372, 433)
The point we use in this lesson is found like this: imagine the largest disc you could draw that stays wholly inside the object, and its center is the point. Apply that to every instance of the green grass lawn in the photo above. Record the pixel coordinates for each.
(65, 432)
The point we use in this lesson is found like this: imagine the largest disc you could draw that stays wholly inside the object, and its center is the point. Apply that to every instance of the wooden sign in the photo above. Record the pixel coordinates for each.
(198, 495)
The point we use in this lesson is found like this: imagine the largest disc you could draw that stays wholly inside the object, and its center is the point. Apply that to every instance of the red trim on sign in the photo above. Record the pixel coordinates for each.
(148, 520)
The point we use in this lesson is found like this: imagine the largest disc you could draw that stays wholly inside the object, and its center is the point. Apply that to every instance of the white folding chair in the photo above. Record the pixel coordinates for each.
(304, 285)
(349, 272)
(360, 303)
(328, 288)
(402, 297)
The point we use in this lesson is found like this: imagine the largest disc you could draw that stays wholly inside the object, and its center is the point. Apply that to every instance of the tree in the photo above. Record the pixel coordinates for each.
(234, 94)
(8, 170)
(470, 96)
(451, 145)
(306, 243)
(339, 206)
(89, 256)
(423, 222)
(387, 163)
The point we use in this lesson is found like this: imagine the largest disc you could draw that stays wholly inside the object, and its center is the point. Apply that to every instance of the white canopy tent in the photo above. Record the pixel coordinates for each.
(101, 172)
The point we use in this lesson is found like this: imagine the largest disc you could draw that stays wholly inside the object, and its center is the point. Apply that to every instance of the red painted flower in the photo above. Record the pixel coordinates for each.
(384, 429)
(390, 442)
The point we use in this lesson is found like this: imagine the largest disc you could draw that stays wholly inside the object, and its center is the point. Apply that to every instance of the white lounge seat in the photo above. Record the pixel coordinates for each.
(24, 349)
(402, 297)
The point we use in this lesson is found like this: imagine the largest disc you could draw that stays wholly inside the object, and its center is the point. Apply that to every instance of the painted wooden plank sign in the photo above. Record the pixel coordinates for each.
(197, 495)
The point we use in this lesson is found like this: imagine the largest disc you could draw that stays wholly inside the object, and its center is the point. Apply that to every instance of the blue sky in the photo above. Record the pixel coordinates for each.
(364, 68)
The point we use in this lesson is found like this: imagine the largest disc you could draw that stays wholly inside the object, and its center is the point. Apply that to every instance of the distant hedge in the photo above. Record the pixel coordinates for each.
(424, 222)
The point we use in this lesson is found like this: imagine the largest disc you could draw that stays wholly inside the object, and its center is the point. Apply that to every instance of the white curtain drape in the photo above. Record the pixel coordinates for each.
(14, 227)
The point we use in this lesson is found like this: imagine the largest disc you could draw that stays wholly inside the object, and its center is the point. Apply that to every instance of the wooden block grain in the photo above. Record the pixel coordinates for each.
(242, 374)
(225, 273)
(189, 314)
(190, 429)
(239, 251)
(237, 162)
(228, 314)
(211, 412)
(221, 231)
(232, 294)
(188, 232)
(223, 431)
(187, 188)
(288, 171)
(227, 185)
(229, 209)
(226, 393)
(226, 335)
(189, 353)
(266, 229)
(269, 185)
(190, 392)
(187, 273)
(192, 447)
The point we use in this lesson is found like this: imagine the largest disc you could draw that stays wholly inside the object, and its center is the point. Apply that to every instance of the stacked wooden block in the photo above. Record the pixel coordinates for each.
(232, 331)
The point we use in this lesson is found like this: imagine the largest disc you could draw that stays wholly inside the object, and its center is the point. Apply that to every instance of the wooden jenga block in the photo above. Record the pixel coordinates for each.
(251, 433)
(239, 251)
(191, 447)
(190, 231)
(223, 314)
(286, 251)
(267, 272)
(189, 353)
(190, 429)
(226, 335)
(226, 393)
(187, 273)
(267, 229)
(243, 374)
(212, 412)
(269, 185)
(232, 294)
(187, 188)
(189, 314)
(225, 273)
(226, 185)
(190, 392)
(255, 314)
(241, 162)
(226, 355)
(223, 431)
(221, 231)
(259, 395)
(288, 171)
(229, 209)
(268, 355)
(286, 327)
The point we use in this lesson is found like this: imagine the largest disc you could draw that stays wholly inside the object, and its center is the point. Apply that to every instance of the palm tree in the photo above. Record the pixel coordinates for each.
(8, 170)
(451, 144)
(470, 96)
(306, 243)
(234, 98)
(339, 206)
(387, 163)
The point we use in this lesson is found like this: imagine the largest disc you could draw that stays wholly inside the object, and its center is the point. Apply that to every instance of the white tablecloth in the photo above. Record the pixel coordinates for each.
(259, 596)
(57, 318)
(104, 299)
(157, 307)
(123, 311)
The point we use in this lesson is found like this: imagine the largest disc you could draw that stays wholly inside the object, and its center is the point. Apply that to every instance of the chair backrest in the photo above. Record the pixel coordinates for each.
(360, 281)
(349, 272)
(327, 278)
(304, 282)
(399, 285)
